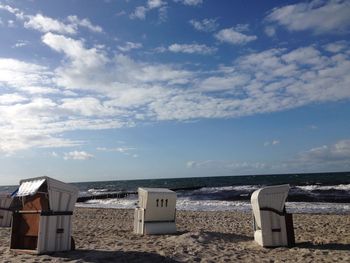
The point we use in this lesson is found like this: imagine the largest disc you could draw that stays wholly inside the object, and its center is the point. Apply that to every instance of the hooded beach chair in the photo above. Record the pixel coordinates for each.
(42, 217)
(273, 227)
(5, 212)
(156, 211)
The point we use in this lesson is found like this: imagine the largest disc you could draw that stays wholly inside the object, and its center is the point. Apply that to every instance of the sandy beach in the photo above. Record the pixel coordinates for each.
(105, 235)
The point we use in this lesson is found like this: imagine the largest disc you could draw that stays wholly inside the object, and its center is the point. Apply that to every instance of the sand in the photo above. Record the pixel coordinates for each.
(105, 235)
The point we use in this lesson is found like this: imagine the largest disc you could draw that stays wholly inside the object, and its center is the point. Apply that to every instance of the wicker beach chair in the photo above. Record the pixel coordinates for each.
(42, 219)
(156, 211)
(273, 227)
(5, 212)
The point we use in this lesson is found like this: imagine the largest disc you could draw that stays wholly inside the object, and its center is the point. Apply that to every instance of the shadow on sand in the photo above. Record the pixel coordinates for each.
(211, 236)
(97, 256)
(330, 246)
(227, 236)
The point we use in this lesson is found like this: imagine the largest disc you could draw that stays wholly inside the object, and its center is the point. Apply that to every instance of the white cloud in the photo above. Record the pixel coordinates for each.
(78, 155)
(12, 10)
(90, 69)
(231, 36)
(74, 49)
(160, 49)
(11, 98)
(318, 16)
(192, 49)
(128, 151)
(305, 55)
(271, 143)
(272, 80)
(163, 14)
(338, 152)
(274, 142)
(23, 136)
(117, 149)
(191, 164)
(46, 24)
(336, 46)
(86, 106)
(91, 90)
(75, 21)
(229, 167)
(155, 3)
(29, 122)
(129, 46)
(44, 90)
(10, 23)
(141, 11)
(241, 27)
(54, 154)
(190, 2)
(15, 11)
(20, 43)
(270, 31)
(206, 25)
(334, 157)
(229, 82)
(15, 73)
(39, 123)
(121, 13)
(88, 62)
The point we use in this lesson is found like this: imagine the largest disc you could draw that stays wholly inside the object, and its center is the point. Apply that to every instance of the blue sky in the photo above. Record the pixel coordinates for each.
(105, 90)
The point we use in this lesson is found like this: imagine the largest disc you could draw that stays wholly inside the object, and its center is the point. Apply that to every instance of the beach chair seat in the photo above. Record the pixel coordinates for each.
(5, 212)
(156, 211)
(43, 222)
(273, 227)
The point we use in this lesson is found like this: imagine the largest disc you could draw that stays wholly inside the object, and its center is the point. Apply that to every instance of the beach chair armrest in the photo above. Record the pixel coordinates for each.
(270, 209)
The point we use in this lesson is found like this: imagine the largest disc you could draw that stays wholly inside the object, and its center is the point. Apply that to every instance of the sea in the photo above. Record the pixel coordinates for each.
(320, 193)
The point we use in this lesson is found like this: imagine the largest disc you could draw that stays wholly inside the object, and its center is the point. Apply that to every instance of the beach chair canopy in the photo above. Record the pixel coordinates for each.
(30, 187)
(148, 197)
(61, 196)
(271, 197)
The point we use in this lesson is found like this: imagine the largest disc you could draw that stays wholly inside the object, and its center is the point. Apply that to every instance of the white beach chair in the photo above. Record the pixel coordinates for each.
(5, 213)
(156, 212)
(42, 220)
(272, 225)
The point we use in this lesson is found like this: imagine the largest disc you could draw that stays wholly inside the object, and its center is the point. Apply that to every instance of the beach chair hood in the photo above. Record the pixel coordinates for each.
(62, 196)
(156, 213)
(272, 197)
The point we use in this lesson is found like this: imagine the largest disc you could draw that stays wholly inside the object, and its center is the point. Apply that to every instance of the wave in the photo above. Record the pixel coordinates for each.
(344, 187)
(300, 193)
(227, 188)
(302, 199)
(186, 204)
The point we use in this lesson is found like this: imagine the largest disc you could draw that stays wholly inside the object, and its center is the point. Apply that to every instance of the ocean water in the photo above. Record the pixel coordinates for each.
(310, 193)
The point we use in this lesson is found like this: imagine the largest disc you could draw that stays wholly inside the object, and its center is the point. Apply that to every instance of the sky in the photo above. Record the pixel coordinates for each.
(137, 89)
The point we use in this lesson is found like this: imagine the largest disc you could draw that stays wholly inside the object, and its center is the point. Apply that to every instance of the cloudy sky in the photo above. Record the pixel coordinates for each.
(127, 89)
